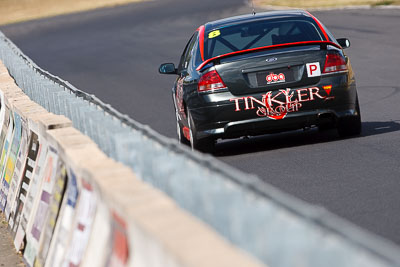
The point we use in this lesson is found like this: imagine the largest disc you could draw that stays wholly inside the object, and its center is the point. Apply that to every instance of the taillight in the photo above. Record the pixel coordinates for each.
(334, 62)
(210, 81)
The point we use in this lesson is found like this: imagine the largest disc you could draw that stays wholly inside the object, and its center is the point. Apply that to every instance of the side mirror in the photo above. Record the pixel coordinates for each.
(167, 68)
(344, 42)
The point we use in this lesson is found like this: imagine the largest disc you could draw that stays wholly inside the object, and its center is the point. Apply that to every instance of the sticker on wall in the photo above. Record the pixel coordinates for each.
(120, 246)
(56, 200)
(85, 213)
(17, 176)
(63, 228)
(8, 129)
(30, 163)
(8, 160)
(98, 248)
(40, 209)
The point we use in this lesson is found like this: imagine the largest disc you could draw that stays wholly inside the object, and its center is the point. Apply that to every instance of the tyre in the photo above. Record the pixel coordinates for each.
(181, 137)
(351, 125)
(206, 145)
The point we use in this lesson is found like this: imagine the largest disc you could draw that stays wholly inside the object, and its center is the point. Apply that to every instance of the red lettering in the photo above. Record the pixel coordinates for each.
(275, 108)
(314, 91)
(274, 78)
(236, 102)
(272, 99)
(246, 103)
(313, 68)
(300, 95)
(252, 100)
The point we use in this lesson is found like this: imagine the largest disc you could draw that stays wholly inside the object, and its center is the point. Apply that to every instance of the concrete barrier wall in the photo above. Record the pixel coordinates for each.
(68, 204)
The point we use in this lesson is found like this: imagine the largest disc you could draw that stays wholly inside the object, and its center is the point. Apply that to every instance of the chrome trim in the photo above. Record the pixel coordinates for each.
(215, 131)
(334, 73)
(220, 90)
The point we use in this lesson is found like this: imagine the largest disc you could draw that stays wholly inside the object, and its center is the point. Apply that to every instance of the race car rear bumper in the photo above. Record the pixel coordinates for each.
(224, 115)
(259, 126)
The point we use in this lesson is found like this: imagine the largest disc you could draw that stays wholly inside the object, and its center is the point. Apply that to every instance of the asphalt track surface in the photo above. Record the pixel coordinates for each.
(115, 53)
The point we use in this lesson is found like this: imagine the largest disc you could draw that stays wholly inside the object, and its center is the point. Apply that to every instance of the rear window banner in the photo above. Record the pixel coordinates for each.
(12, 158)
(53, 214)
(30, 163)
(40, 208)
(86, 211)
(17, 176)
(63, 230)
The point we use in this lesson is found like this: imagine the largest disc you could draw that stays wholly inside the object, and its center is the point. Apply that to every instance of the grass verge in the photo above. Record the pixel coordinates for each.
(12, 11)
(323, 3)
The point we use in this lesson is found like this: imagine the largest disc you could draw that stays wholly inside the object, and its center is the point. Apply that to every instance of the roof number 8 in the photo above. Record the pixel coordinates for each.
(214, 34)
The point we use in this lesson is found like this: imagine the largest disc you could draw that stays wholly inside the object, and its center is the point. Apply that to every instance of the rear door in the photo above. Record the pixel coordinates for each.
(184, 79)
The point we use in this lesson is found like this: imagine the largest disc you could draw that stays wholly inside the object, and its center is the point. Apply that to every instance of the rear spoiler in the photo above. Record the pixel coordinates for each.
(322, 43)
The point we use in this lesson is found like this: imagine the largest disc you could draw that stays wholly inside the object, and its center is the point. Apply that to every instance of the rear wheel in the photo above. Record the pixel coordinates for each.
(181, 137)
(350, 126)
(206, 145)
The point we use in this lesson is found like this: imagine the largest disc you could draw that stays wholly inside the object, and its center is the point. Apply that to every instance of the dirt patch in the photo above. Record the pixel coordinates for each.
(8, 255)
(314, 4)
(12, 11)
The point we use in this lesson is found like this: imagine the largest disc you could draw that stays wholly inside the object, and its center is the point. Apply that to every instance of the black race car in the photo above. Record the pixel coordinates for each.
(263, 73)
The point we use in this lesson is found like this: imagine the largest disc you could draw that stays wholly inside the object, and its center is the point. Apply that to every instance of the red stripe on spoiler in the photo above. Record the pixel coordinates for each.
(319, 25)
(265, 48)
(201, 41)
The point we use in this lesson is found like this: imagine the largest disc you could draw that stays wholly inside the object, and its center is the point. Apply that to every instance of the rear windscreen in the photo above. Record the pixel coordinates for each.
(256, 34)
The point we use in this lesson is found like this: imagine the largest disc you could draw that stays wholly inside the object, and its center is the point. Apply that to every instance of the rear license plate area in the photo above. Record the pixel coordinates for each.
(275, 77)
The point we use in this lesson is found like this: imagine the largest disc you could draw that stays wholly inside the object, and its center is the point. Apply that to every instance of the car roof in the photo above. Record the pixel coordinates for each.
(258, 16)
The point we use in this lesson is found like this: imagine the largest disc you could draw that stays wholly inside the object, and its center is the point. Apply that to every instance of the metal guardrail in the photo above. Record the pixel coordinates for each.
(273, 226)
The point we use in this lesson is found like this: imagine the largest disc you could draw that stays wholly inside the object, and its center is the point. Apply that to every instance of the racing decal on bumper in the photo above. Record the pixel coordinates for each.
(284, 101)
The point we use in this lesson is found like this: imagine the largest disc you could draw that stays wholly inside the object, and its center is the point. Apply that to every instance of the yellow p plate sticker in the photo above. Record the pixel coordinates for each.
(214, 34)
